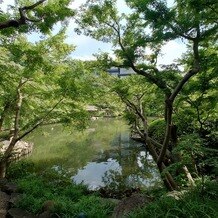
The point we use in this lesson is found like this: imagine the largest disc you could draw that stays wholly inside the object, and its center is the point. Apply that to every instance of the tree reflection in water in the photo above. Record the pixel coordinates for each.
(126, 165)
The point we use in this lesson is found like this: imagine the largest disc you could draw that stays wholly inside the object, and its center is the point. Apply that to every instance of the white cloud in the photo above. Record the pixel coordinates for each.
(171, 51)
(75, 4)
(4, 4)
(86, 46)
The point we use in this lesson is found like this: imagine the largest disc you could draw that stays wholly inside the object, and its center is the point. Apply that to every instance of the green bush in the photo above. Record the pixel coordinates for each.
(20, 169)
(185, 122)
(69, 199)
(157, 129)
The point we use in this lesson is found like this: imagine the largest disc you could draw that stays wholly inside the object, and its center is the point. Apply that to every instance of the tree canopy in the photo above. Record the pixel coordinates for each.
(40, 81)
(27, 16)
(149, 26)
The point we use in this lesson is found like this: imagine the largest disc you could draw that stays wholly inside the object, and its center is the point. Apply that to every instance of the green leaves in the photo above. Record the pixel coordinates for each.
(41, 17)
(51, 78)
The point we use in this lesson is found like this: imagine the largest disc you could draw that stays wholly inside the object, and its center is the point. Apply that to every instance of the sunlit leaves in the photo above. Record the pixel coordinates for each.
(46, 16)
(51, 78)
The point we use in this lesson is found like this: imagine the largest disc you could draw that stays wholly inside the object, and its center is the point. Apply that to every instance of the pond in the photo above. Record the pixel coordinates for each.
(103, 155)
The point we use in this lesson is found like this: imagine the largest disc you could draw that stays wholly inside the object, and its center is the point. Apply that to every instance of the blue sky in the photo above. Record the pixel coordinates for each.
(86, 47)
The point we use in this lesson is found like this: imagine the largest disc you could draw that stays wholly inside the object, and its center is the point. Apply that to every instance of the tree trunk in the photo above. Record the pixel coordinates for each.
(2, 118)
(188, 175)
(3, 166)
(5, 158)
(165, 146)
(168, 180)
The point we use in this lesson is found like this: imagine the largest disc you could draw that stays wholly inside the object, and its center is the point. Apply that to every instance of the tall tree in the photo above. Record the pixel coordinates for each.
(39, 85)
(151, 24)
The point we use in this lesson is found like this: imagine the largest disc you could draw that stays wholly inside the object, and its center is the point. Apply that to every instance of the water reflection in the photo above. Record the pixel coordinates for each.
(126, 164)
(101, 156)
(92, 173)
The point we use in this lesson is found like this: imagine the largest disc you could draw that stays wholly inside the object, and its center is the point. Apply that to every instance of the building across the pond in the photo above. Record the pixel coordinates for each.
(120, 72)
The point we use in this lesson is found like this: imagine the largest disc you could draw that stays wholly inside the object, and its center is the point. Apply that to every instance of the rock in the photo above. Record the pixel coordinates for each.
(14, 198)
(20, 149)
(3, 182)
(45, 214)
(9, 188)
(4, 198)
(3, 213)
(47, 210)
(128, 204)
(19, 213)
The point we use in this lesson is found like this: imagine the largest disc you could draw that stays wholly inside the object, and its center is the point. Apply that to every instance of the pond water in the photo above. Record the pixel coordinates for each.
(103, 155)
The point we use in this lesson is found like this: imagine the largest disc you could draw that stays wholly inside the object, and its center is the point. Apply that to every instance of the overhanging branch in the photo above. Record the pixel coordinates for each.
(41, 120)
(23, 17)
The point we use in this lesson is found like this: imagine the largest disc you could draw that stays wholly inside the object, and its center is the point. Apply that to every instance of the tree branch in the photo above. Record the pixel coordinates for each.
(41, 120)
(178, 88)
(157, 81)
(190, 73)
(23, 18)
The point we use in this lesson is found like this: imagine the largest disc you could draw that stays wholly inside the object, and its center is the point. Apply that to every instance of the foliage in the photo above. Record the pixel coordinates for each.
(51, 78)
(197, 105)
(190, 146)
(45, 15)
(188, 96)
(156, 129)
(69, 199)
(20, 169)
(194, 203)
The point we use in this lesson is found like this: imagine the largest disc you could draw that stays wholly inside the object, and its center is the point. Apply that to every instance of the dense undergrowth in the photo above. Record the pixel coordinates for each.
(200, 201)
(69, 199)
(72, 200)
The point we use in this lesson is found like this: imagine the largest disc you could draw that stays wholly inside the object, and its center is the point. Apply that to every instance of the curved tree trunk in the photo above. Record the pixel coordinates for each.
(168, 180)
(3, 167)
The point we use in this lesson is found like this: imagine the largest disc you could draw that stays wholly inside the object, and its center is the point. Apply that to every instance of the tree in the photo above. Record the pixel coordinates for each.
(149, 25)
(28, 16)
(39, 84)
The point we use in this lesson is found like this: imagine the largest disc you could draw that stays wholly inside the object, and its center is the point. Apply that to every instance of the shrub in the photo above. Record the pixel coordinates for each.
(193, 203)
(156, 130)
(69, 199)
(20, 169)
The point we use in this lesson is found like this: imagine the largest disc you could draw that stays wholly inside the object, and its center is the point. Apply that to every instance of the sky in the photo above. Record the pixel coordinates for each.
(86, 46)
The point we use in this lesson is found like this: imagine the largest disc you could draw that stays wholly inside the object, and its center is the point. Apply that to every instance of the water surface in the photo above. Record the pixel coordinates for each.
(103, 155)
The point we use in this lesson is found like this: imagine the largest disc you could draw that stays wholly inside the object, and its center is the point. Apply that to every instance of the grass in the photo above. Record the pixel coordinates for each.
(69, 199)
(194, 203)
